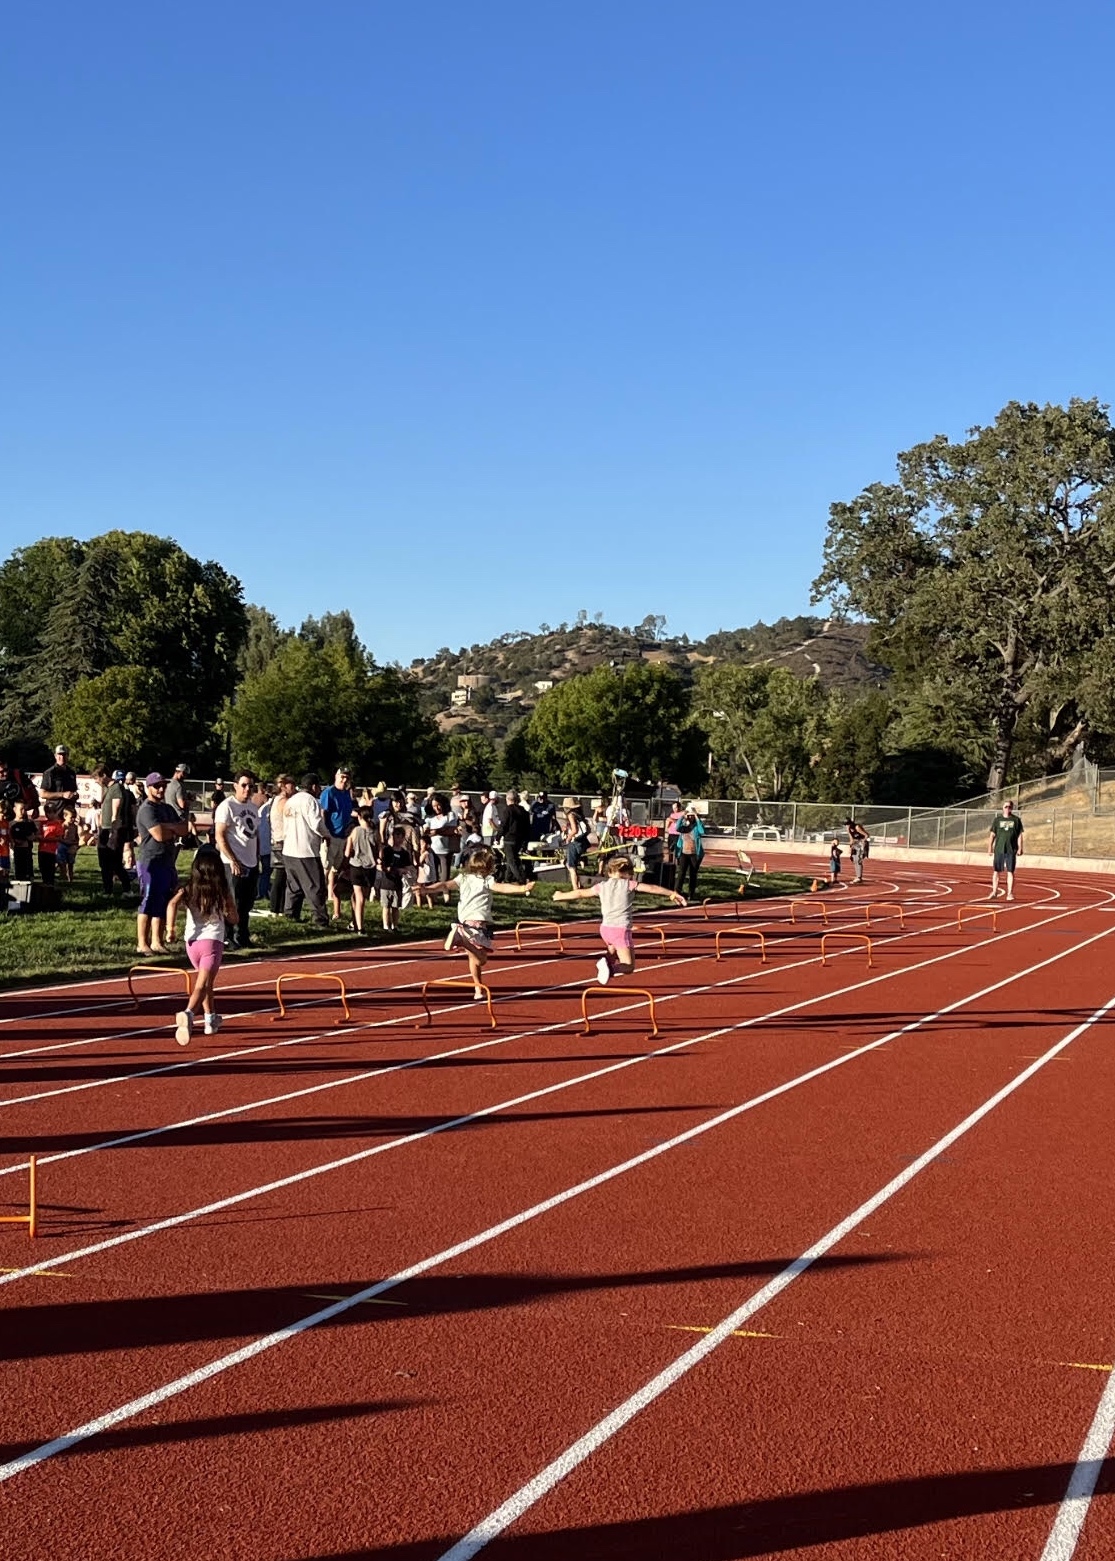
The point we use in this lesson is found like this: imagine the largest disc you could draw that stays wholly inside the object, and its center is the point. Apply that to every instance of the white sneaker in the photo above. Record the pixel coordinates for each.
(603, 971)
(213, 1023)
(183, 1027)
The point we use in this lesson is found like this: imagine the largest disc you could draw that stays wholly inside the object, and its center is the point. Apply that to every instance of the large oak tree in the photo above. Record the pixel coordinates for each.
(988, 568)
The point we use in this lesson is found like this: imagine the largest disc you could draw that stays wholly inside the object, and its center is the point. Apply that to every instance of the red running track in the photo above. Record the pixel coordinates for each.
(821, 1270)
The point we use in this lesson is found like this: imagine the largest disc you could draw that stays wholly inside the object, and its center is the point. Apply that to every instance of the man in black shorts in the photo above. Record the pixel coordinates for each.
(1004, 847)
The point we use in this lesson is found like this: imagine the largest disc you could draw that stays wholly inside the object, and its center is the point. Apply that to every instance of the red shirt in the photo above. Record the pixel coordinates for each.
(51, 831)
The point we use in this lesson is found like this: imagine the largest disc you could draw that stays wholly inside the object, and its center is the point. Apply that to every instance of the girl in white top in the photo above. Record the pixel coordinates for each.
(616, 892)
(473, 928)
(210, 910)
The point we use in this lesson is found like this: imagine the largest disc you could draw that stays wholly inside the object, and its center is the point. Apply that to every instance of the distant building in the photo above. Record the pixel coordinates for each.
(544, 685)
(474, 679)
(460, 696)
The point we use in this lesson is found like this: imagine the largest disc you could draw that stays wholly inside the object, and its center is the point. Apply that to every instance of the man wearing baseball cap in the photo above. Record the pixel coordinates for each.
(176, 791)
(59, 782)
(117, 826)
(159, 828)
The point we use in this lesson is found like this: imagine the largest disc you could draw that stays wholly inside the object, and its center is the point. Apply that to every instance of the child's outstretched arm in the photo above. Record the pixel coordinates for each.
(172, 913)
(512, 888)
(575, 894)
(656, 888)
(434, 888)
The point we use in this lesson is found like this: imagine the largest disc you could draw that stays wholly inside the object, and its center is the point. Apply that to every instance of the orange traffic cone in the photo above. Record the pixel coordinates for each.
(814, 886)
(766, 869)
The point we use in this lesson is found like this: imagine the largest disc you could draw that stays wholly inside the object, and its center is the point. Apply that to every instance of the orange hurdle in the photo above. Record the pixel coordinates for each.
(158, 970)
(603, 991)
(743, 932)
(654, 932)
(809, 904)
(733, 903)
(457, 981)
(885, 905)
(975, 912)
(316, 975)
(31, 1218)
(537, 925)
(858, 937)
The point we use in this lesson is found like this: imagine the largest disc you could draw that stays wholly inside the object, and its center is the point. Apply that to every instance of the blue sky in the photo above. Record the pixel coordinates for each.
(465, 317)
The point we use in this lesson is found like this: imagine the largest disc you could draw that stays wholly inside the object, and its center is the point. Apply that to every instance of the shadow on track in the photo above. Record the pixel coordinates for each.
(778, 1524)
(144, 1322)
(311, 1129)
(222, 1425)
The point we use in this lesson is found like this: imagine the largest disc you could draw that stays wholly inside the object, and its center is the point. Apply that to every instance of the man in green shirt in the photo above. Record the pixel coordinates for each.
(1004, 847)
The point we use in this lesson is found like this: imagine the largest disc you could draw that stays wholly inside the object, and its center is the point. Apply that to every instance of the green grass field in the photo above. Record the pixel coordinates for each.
(90, 936)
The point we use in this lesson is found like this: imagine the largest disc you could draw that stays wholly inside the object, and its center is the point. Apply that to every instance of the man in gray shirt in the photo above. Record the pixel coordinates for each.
(176, 792)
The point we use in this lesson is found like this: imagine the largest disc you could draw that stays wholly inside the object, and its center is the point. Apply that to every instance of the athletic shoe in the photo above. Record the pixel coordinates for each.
(184, 1027)
(1010, 896)
(213, 1023)
(603, 971)
(478, 995)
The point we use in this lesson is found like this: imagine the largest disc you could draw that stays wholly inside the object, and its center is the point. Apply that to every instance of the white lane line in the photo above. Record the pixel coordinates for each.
(71, 1045)
(104, 1005)
(416, 1062)
(545, 1481)
(487, 1111)
(1065, 1533)
(206, 1059)
(580, 1450)
(124, 1035)
(291, 957)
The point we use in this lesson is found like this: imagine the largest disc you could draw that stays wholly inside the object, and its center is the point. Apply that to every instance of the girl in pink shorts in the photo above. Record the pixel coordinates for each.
(617, 891)
(210, 910)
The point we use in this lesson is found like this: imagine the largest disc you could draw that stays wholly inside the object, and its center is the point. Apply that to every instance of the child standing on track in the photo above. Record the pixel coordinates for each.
(473, 928)
(617, 891)
(835, 853)
(209, 909)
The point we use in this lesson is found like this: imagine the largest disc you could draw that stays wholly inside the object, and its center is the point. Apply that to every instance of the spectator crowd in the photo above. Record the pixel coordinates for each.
(296, 843)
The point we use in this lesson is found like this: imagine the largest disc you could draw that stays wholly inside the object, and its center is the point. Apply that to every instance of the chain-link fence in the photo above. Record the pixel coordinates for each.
(1070, 815)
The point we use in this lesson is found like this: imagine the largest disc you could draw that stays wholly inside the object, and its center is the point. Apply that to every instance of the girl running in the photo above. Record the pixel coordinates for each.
(473, 928)
(617, 891)
(210, 908)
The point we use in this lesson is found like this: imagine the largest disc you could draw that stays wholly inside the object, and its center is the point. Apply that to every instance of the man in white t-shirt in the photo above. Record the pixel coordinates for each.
(491, 820)
(303, 831)
(236, 824)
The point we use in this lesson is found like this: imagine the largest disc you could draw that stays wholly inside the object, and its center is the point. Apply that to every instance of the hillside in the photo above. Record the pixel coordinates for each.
(490, 687)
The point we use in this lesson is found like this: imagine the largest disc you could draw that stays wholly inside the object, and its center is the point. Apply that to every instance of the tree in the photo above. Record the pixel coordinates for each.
(988, 565)
(855, 750)
(124, 600)
(634, 718)
(312, 707)
(764, 727)
(469, 762)
(29, 583)
(337, 628)
(263, 639)
(123, 716)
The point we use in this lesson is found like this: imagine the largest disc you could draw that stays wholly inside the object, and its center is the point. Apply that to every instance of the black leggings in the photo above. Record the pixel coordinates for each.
(687, 866)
